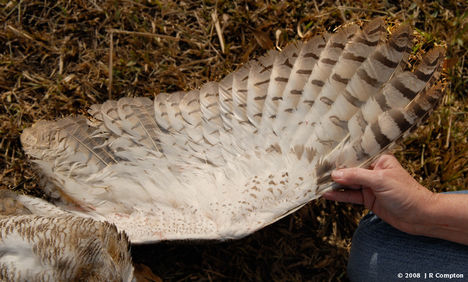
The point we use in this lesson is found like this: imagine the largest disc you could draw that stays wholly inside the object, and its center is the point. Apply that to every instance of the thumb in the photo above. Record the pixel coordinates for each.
(356, 177)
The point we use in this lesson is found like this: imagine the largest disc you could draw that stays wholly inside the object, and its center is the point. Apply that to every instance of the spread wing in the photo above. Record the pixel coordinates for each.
(236, 155)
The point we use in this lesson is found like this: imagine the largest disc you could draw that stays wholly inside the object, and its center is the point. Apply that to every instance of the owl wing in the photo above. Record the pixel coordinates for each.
(239, 154)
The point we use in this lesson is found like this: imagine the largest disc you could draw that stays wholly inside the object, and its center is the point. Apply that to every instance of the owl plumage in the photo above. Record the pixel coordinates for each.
(225, 160)
(59, 246)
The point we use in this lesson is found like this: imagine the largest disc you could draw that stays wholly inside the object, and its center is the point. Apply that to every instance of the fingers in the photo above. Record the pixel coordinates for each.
(385, 162)
(355, 177)
(380, 158)
(349, 196)
(372, 178)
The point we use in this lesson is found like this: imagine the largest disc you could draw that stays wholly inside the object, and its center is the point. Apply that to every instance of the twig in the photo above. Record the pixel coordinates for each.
(96, 6)
(147, 34)
(447, 141)
(196, 62)
(422, 154)
(316, 7)
(111, 53)
(343, 17)
(341, 7)
(29, 37)
(214, 17)
(202, 28)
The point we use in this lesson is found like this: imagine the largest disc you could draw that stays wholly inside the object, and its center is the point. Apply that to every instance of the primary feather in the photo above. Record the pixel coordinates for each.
(239, 154)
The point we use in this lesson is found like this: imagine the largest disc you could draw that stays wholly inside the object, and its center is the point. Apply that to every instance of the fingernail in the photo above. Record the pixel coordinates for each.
(337, 174)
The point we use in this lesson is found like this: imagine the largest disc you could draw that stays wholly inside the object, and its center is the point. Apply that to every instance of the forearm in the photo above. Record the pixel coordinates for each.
(445, 217)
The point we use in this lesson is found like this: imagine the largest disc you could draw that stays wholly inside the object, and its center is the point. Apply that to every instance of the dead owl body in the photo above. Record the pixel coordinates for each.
(58, 246)
(236, 155)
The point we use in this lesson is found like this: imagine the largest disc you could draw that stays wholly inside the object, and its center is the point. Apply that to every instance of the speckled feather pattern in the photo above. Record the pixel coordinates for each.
(58, 247)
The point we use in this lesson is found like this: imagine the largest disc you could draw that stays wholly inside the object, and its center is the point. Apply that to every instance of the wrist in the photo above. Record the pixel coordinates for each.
(445, 217)
(420, 221)
(423, 219)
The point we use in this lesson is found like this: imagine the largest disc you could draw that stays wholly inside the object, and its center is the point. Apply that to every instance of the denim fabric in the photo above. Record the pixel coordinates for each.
(380, 252)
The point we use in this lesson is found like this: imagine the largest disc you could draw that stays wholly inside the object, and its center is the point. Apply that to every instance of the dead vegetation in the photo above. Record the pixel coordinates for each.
(59, 57)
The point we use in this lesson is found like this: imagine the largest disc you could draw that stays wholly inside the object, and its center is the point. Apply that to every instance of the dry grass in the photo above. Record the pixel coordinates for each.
(54, 61)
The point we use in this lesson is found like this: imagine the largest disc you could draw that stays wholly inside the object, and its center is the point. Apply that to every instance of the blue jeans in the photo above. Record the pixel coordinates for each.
(380, 252)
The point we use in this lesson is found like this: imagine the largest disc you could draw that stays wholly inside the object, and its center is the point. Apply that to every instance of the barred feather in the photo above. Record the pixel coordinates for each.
(354, 54)
(320, 72)
(398, 92)
(369, 77)
(259, 80)
(308, 54)
(279, 77)
(388, 128)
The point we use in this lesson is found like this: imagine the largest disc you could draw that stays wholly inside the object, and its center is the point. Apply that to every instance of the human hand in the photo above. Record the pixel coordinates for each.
(387, 189)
